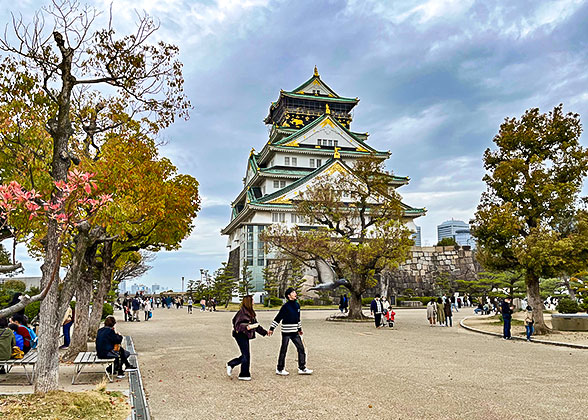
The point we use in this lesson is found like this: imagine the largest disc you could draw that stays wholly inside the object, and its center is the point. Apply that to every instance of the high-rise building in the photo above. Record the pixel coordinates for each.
(309, 135)
(155, 288)
(458, 230)
(416, 236)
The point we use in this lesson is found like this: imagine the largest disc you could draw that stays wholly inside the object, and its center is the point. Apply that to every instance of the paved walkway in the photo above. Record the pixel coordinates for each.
(412, 372)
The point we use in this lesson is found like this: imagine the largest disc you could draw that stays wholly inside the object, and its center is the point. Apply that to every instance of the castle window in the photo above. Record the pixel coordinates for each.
(278, 217)
(319, 163)
(330, 142)
(319, 142)
(282, 184)
(276, 184)
(287, 161)
(312, 163)
(335, 143)
(294, 161)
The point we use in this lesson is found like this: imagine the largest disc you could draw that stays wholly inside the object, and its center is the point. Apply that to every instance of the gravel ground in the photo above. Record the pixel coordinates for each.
(411, 372)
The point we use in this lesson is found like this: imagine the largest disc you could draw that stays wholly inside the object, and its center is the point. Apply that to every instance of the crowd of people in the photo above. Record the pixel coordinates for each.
(17, 338)
(440, 312)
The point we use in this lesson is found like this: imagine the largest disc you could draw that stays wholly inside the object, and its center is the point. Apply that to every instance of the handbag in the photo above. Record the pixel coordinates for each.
(116, 347)
(17, 353)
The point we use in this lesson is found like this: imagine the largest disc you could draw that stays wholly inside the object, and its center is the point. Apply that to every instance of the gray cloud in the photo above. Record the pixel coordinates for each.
(435, 79)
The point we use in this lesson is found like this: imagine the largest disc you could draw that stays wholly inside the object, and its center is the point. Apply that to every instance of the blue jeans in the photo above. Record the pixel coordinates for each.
(530, 331)
(66, 335)
(506, 327)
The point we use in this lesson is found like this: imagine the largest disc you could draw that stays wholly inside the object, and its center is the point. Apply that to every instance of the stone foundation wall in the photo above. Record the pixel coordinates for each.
(424, 267)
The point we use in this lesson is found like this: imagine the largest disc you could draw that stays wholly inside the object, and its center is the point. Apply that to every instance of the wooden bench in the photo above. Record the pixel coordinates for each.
(29, 359)
(87, 358)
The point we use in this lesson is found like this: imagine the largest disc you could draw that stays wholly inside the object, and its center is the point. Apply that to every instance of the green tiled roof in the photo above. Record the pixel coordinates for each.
(315, 123)
(322, 98)
(281, 171)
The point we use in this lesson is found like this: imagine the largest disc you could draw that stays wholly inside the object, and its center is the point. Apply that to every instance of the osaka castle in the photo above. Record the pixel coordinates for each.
(309, 135)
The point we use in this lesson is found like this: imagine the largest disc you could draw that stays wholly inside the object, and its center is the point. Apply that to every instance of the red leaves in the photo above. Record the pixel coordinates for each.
(73, 204)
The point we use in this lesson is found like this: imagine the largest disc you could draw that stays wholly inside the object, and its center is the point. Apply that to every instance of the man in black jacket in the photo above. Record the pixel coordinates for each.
(289, 316)
(506, 308)
(106, 340)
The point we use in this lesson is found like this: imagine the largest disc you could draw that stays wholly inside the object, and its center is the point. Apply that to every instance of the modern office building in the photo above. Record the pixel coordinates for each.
(309, 136)
(416, 236)
(458, 230)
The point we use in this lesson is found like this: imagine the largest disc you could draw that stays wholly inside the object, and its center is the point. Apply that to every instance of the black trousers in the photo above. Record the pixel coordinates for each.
(121, 359)
(378, 319)
(245, 358)
(295, 337)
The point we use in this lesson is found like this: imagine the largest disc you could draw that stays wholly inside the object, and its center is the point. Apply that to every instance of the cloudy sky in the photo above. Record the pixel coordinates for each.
(435, 78)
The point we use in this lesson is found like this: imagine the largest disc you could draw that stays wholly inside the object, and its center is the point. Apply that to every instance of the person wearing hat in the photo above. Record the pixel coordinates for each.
(289, 316)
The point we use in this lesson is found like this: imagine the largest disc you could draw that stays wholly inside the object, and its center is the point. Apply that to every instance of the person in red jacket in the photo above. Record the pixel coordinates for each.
(19, 321)
(244, 328)
(390, 314)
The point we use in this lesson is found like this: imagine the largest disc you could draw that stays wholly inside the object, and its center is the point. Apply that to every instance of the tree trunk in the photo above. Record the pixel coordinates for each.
(102, 289)
(536, 303)
(79, 339)
(355, 311)
(60, 129)
(47, 369)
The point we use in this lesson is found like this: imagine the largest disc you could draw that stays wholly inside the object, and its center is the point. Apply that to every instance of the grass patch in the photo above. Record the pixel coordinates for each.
(65, 406)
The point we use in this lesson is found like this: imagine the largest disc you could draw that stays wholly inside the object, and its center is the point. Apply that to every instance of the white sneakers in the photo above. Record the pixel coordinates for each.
(283, 372)
(305, 371)
(229, 370)
(244, 378)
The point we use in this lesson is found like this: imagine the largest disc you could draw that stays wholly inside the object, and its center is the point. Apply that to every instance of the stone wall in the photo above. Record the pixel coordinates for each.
(424, 267)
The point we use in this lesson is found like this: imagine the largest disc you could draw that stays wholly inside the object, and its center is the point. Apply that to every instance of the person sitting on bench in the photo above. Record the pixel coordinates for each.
(108, 347)
(7, 342)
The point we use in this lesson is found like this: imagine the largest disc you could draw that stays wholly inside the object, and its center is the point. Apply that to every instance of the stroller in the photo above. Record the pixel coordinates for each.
(389, 314)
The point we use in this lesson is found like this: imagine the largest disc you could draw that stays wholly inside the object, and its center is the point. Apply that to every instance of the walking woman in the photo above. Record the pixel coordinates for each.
(244, 327)
(529, 321)
(431, 309)
(440, 312)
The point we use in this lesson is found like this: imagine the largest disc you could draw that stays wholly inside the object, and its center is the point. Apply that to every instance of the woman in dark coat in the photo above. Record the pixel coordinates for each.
(448, 313)
(244, 327)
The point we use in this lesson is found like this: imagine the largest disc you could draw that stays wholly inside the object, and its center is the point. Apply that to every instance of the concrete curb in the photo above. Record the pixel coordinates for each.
(551, 343)
(139, 406)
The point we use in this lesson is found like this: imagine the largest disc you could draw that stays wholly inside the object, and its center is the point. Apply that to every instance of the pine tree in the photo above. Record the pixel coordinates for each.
(271, 283)
(295, 277)
(245, 281)
(224, 283)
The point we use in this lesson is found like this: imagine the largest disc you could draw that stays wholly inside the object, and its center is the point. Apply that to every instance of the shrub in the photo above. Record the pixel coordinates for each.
(273, 301)
(306, 302)
(32, 310)
(107, 309)
(567, 306)
(366, 301)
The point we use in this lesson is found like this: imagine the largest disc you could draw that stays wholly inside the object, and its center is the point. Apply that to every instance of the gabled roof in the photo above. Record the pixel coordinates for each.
(315, 80)
(326, 118)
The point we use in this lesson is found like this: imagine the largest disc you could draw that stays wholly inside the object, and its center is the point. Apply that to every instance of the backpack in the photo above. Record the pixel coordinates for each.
(34, 339)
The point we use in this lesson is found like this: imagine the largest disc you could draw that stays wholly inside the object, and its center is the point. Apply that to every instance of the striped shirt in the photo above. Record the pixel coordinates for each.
(289, 316)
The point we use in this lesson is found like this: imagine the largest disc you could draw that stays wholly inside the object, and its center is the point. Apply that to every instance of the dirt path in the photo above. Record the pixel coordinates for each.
(412, 372)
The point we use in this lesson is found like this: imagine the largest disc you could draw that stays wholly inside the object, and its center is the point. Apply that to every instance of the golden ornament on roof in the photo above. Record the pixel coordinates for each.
(316, 73)
(327, 109)
(337, 155)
